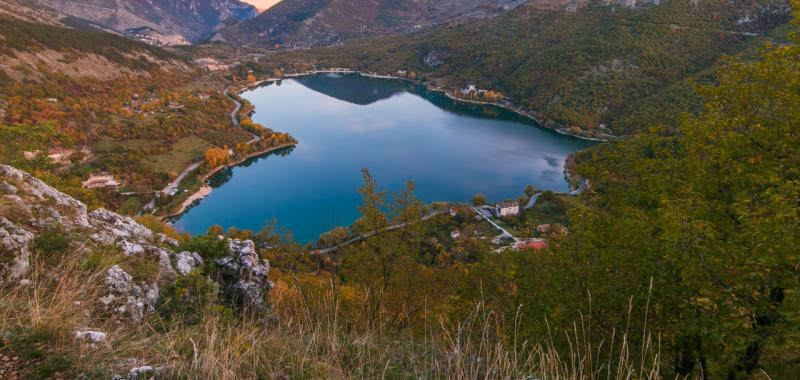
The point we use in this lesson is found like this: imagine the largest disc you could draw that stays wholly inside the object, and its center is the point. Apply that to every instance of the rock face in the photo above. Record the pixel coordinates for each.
(244, 276)
(126, 298)
(14, 241)
(29, 207)
(303, 23)
(191, 20)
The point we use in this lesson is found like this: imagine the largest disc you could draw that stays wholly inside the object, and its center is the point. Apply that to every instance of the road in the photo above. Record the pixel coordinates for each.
(367, 235)
(173, 186)
(235, 116)
(501, 229)
(532, 201)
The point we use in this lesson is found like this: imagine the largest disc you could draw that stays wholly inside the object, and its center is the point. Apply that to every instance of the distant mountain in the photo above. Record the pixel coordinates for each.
(303, 23)
(39, 41)
(165, 20)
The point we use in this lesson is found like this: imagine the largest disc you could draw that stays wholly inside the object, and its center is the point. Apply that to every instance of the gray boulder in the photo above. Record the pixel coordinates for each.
(243, 276)
(15, 253)
(126, 298)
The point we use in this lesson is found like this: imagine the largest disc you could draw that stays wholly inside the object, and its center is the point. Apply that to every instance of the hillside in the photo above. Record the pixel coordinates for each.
(174, 20)
(78, 104)
(678, 259)
(304, 23)
(595, 70)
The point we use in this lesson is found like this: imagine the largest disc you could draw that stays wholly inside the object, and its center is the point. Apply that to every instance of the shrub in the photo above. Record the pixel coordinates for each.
(189, 298)
(51, 242)
(210, 248)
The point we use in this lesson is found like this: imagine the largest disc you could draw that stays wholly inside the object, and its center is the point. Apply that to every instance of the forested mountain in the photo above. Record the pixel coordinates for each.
(594, 70)
(191, 20)
(303, 23)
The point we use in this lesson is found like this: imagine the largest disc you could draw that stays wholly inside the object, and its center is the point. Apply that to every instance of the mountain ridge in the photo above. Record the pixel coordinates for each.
(192, 20)
(306, 23)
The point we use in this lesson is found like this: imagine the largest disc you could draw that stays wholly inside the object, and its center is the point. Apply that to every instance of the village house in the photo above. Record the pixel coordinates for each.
(543, 228)
(174, 106)
(506, 209)
(96, 181)
(536, 245)
(470, 89)
(211, 64)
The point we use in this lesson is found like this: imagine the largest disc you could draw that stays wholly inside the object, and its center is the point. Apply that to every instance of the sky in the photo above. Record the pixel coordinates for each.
(262, 4)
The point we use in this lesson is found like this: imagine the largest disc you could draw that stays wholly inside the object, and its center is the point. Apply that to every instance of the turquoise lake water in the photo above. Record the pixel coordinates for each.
(398, 131)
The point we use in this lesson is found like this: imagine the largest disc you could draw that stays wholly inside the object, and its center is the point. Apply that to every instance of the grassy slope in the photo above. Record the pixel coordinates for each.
(98, 112)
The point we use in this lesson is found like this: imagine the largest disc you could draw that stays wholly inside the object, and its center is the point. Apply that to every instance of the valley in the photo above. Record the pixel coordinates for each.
(456, 189)
(344, 123)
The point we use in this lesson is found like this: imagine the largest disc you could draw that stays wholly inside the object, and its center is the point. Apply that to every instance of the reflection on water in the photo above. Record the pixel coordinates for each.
(400, 131)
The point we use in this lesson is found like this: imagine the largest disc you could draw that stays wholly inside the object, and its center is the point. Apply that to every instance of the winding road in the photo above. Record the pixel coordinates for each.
(173, 186)
(532, 201)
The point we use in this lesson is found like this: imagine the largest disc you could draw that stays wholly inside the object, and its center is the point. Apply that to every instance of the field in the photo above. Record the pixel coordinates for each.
(180, 155)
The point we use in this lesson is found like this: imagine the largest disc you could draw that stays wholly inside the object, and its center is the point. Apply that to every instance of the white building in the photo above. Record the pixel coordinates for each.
(100, 181)
(471, 89)
(506, 209)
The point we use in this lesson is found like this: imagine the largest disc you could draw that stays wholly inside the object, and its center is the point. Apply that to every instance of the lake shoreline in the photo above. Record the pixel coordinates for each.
(205, 190)
(510, 107)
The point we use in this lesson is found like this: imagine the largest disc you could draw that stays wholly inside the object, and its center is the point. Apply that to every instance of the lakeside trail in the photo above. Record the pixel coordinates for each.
(361, 237)
(205, 190)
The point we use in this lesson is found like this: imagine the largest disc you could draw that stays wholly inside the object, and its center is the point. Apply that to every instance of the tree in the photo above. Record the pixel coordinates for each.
(479, 200)
(216, 157)
(386, 266)
(696, 234)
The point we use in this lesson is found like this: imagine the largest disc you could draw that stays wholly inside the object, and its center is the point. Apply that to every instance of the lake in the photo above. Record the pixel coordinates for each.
(399, 131)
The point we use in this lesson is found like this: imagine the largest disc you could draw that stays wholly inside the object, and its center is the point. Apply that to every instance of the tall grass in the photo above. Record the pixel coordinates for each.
(309, 335)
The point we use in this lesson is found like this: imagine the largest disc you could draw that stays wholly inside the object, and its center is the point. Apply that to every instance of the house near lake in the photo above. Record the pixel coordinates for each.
(470, 89)
(100, 181)
(506, 209)
(536, 245)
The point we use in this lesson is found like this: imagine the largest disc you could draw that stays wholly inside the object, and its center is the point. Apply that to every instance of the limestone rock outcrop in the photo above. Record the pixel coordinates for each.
(243, 276)
(29, 207)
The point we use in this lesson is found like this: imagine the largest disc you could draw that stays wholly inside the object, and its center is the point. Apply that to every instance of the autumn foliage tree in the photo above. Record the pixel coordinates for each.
(216, 156)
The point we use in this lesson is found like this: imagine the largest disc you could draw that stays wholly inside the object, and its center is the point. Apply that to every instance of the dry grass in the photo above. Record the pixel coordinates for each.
(308, 336)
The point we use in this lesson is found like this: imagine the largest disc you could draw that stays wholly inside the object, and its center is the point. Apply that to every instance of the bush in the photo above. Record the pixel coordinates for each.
(189, 298)
(51, 242)
(210, 248)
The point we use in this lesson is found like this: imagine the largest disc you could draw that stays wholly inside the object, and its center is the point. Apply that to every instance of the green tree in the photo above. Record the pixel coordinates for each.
(692, 238)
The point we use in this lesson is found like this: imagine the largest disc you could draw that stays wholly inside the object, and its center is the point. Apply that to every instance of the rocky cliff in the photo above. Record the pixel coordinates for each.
(302, 23)
(35, 217)
(172, 19)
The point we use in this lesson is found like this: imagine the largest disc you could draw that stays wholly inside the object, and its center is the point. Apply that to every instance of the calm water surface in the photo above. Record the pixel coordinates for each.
(395, 129)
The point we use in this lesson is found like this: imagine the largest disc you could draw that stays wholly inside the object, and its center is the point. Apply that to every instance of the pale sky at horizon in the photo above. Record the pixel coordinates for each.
(262, 4)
